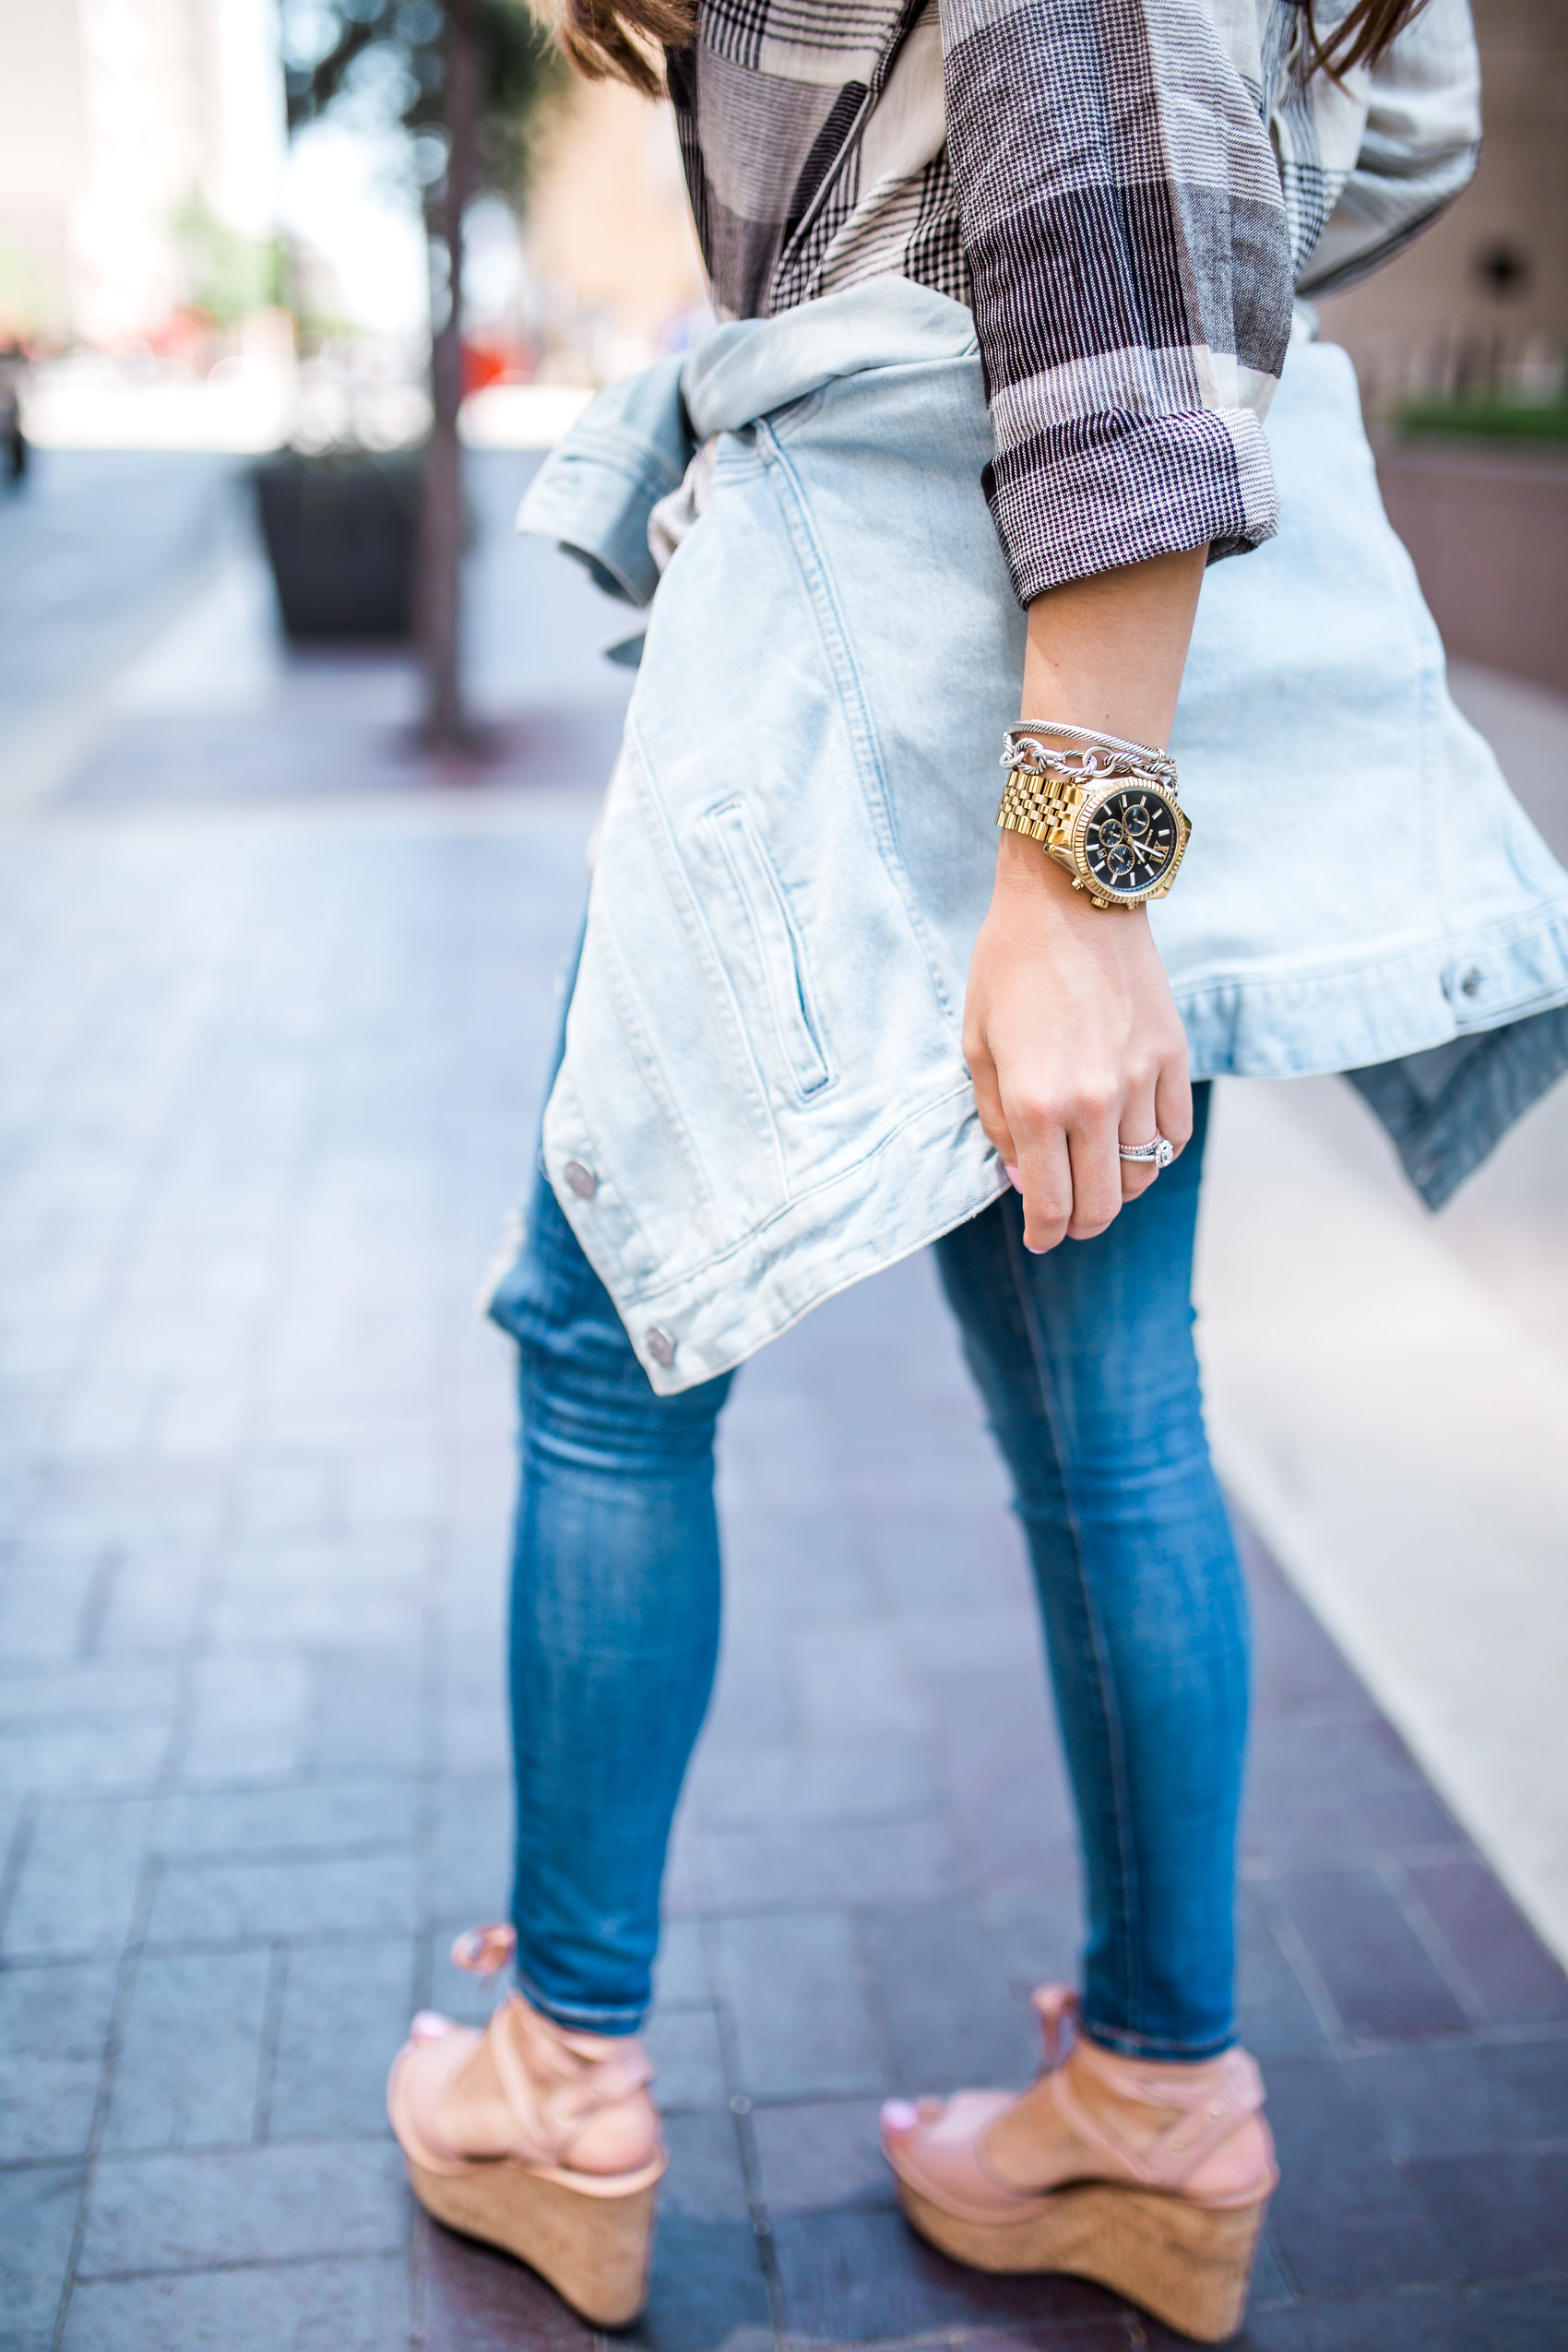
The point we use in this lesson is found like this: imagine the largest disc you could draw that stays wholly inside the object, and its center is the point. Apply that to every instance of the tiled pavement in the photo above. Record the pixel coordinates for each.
(98, 546)
(269, 1081)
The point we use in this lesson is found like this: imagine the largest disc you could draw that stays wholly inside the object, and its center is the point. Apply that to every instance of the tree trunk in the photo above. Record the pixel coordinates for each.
(441, 537)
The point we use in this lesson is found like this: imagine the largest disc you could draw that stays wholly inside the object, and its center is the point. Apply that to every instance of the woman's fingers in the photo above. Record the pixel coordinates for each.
(1067, 1019)
(1137, 1175)
(1067, 1164)
(988, 1101)
(1173, 1102)
(1052, 1170)
(1098, 1178)
(1045, 1177)
(1036, 1164)
(1097, 1171)
(1139, 1125)
(1164, 1108)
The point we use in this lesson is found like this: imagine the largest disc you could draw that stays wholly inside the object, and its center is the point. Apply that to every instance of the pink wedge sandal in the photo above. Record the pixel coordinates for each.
(537, 2140)
(1151, 2179)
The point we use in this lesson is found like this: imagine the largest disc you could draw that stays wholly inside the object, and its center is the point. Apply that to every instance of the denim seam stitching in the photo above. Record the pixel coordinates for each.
(1107, 1687)
(854, 703)
(687, 904)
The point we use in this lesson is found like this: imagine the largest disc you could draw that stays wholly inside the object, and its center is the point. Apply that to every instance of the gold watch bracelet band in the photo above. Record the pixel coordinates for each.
(1042, 806)
(1050, 782)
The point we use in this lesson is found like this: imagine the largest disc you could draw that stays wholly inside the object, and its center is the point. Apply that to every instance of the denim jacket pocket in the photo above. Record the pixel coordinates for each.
(775, 967)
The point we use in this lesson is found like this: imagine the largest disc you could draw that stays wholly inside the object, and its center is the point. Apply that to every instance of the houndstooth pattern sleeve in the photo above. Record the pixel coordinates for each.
(1121, 189)
(1128, 252)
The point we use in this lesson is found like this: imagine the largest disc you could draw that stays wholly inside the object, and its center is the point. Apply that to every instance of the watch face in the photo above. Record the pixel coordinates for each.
(1130, 842)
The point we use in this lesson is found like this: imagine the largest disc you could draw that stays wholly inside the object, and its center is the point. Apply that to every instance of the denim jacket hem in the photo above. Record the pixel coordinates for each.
(763, 1074)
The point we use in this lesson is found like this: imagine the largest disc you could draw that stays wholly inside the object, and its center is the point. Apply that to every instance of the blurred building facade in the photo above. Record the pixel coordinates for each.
(1481, 301)
(612, 254)
(1473, 322)
(141, 141)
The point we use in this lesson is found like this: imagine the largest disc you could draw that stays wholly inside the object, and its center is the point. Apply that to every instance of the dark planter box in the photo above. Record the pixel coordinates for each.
(339, 533)
(1488, 530)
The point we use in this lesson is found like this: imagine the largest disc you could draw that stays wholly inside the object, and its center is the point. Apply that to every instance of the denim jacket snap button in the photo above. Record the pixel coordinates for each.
(1470, 982)
(660, 1347)
(583, 1181)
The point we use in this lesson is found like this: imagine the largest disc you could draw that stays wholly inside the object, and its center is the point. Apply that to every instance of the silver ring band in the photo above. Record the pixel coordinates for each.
(1158, 1152)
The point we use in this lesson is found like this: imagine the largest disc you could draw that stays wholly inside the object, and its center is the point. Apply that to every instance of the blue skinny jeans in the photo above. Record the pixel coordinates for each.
(1084, 1359)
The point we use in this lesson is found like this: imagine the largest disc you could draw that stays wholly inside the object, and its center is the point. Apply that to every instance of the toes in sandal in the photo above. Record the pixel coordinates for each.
(538, 2139)
(1173, 2224)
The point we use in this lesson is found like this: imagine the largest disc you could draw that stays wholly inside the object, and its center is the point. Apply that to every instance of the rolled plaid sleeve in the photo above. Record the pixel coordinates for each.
(1129, 256)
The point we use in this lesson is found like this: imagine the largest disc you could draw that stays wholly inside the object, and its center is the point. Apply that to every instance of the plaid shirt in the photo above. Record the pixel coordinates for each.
(1125, 192)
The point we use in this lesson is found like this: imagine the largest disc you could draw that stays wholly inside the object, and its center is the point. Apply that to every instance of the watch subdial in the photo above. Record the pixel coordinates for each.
(1129, 842)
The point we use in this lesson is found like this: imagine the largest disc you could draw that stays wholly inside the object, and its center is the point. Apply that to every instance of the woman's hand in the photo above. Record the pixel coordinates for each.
(1075, 1045)
(1070, 1029)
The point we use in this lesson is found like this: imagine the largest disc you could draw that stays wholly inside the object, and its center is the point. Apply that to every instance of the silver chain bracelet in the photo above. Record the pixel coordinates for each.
(1100, 754)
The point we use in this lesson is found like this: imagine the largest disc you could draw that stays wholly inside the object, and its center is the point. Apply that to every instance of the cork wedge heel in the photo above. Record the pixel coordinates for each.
(1152, 2179)
(540, 2141)
(593, 2245)
(1187, 2266)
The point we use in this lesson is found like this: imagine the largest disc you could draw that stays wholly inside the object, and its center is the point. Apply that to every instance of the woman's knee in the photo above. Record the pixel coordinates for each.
(591, 1407)
(584, 1395)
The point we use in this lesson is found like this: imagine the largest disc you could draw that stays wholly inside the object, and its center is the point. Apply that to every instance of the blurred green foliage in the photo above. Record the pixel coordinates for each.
(379, 62)
(229, 274)
(1485, 417)
(29, 302)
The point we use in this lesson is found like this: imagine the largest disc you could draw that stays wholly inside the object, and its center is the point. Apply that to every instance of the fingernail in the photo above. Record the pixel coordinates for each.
(899, 2116)
(1032, 1251)
(1012, 1176)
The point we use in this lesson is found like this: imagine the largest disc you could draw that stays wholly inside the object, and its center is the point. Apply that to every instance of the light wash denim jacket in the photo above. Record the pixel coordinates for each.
(763, 1097)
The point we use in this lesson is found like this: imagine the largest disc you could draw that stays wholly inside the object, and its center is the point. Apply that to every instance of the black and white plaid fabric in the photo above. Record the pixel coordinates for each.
(1125, 192)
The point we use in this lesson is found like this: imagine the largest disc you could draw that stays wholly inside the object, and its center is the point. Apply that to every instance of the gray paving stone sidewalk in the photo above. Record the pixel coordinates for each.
(271, 1073)
(91, 553)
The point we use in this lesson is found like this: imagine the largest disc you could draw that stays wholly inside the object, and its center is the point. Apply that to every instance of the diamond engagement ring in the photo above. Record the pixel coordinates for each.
(1158, 1152)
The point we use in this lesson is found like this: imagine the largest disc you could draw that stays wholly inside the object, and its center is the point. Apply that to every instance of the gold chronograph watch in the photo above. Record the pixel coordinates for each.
(1103, 809)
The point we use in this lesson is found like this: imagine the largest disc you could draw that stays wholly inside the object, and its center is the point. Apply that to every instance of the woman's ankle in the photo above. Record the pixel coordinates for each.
(527, 2089)
(617, 2136)
(1100, 2114)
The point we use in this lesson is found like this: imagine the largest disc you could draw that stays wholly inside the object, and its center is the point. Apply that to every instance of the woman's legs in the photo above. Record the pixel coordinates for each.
(1085, 1359)
(614, 1631)
(1139, 2156)
(614, 1638)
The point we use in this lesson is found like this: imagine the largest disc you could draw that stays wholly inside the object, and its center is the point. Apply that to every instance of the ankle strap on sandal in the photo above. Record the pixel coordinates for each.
(555, 2081)
(553, 2084)
(1211, 2101)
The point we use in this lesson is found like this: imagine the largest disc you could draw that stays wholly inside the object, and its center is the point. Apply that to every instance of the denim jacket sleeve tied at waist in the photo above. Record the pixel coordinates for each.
(763, 1076)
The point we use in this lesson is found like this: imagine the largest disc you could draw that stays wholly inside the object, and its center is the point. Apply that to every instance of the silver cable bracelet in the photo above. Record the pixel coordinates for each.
(1102, 754)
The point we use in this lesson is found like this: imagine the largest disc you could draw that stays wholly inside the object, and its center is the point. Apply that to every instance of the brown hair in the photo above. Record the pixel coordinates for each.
(1361, 36)
(620, 39)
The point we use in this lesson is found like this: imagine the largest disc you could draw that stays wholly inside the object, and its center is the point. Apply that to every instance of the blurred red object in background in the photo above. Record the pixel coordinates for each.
(488, 360)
